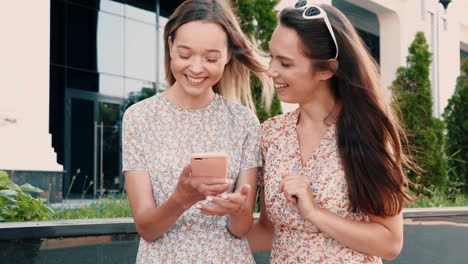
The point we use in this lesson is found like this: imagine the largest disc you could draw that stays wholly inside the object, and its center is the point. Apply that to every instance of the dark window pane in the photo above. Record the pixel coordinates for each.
(82, 146)
(57, 110)
(94, 4)
(81, 80)
(463, 55)
(372, 42)
(168, 7)
(57, 32)
(81, 37)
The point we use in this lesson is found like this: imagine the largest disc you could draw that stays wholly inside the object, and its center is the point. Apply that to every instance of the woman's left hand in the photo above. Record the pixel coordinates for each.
(227, 203)
(297, 190)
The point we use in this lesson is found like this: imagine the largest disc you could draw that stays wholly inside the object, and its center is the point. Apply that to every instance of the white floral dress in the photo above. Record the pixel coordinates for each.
(295, 240)
(158, 137)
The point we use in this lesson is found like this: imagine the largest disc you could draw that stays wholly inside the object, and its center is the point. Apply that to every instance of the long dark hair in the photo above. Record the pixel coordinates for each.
(368, 132)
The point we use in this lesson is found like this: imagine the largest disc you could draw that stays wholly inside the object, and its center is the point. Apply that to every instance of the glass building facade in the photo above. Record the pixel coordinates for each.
(103, 54)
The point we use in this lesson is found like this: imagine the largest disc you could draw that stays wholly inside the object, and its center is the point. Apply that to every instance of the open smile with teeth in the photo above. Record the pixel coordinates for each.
(280, 85)
(195, 80)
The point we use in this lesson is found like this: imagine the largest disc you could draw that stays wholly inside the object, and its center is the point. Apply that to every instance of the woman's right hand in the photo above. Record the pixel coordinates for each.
(191, 190)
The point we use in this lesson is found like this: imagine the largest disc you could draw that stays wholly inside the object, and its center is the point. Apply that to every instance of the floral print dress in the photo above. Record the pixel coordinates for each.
(295, 240)
(158, 137)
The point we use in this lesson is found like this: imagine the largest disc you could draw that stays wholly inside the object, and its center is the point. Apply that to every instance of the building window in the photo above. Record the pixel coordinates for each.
(103, 53)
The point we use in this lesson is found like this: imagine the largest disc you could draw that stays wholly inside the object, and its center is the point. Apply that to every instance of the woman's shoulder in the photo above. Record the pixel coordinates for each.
(141, 109)
(239, 111)
(277, 122)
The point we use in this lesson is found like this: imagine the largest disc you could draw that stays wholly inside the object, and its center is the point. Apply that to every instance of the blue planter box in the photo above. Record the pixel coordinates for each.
(431, 236)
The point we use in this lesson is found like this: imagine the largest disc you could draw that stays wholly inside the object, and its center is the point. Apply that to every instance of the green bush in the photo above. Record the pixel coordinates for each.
(17, 205)
(456, 118)
(426, 139)
(440, 198)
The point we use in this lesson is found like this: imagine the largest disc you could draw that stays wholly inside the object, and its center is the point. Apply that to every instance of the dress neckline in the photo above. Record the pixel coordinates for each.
(213, 103)
(300, 166)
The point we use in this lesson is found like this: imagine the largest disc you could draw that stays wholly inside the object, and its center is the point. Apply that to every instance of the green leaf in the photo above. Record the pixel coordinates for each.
(4, 178)
(13, 186)
(9, 194)
(29, 188)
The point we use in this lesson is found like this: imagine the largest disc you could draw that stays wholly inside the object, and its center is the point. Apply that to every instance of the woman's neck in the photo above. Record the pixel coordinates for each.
(323, 108)
(177, 96)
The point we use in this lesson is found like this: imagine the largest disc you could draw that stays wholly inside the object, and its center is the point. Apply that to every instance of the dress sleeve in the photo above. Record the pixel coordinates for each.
(263, 148)
(133, 157)
(251, 156)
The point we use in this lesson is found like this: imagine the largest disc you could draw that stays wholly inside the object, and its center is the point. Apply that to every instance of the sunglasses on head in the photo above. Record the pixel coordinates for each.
(312, 11)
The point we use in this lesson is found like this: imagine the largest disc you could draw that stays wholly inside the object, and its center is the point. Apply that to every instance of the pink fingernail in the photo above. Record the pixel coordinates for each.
(209, 198)
(198, 206)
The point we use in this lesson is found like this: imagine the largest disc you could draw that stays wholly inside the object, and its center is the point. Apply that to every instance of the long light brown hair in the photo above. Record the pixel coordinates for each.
(368, 131)
(235, 82)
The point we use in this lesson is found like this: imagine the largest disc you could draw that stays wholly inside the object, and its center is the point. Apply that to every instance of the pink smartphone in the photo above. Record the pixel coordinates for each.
(209, 164)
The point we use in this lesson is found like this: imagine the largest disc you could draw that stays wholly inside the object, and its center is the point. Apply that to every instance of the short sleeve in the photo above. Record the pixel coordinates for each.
(263, 148)
(251, 156)
(133, 157)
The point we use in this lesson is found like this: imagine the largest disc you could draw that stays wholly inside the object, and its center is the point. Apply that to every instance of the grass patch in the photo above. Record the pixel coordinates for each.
(112, 206)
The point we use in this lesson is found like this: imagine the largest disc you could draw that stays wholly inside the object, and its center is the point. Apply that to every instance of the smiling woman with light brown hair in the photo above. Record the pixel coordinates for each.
(208, 64)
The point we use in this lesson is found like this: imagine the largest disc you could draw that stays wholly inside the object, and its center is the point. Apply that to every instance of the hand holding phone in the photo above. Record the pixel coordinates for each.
(209, 164)
(190, 190)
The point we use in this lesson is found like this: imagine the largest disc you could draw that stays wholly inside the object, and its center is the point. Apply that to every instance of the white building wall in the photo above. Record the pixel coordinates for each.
(25, 143)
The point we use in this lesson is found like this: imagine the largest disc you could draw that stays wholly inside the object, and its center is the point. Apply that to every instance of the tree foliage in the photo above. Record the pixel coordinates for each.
(426, 137)
(456, 118)
(258, 20)
(135, 97)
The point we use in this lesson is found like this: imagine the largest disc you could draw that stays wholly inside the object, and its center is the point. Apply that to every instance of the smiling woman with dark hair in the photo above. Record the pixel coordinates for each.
(333, 181)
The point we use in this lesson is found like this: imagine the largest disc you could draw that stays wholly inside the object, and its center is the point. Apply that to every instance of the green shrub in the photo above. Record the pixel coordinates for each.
(426, 139)
(17, 205)
(437, 197)
(456, 118)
